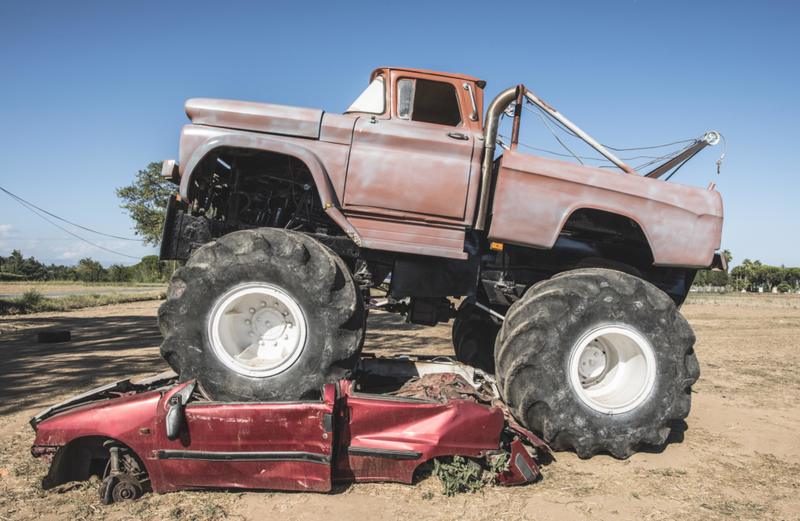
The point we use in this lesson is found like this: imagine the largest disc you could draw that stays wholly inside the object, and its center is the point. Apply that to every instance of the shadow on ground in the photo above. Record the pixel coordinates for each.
(389, 334)
(101, 350)
(104, 349)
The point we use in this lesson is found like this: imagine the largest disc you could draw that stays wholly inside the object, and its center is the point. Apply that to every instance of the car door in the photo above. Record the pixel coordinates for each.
(283, 446)
(416, 162)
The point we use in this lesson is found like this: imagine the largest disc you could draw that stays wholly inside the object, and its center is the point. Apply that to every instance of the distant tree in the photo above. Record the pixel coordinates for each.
(784, 287)
(712, 277)
(728, 257)
(150, 269)
(90, 271)
(745, 272)
(14, 262)
(64, 272)
(768, 276)
(146, 202)
(33, 269)
(793, 277)
(736, 285)
(118, 273)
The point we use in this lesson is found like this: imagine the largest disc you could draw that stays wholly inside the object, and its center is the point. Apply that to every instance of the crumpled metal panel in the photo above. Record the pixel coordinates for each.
(387, 437)
(281, 446)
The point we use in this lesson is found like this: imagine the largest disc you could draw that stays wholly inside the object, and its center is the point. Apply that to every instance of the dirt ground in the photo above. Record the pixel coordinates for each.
(64, 288)
(737, 455)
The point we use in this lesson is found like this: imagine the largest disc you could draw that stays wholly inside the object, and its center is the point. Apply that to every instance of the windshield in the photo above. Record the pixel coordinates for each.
(372, 100)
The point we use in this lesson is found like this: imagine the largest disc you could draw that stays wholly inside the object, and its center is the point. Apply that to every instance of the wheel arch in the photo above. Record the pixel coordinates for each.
(69, 462)
(248, 141)
(572, 214)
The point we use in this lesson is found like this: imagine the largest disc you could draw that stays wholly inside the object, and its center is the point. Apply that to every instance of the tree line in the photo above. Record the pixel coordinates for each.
(16, 267)
(751, 276)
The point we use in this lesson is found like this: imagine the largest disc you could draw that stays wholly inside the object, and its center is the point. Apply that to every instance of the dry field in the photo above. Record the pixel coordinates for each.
(737, 456)
(8, 288)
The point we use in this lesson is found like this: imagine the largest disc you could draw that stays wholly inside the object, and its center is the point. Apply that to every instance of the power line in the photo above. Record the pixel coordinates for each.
(66, 221)
(64, 229)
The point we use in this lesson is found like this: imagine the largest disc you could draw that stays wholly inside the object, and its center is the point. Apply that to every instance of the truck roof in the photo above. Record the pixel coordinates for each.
(480, 83)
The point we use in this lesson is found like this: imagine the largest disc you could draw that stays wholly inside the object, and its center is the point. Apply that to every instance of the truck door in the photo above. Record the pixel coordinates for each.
(283, 446)
(416, 162)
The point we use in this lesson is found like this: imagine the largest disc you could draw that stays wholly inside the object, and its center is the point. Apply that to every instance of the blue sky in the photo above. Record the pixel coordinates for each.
(91, 92)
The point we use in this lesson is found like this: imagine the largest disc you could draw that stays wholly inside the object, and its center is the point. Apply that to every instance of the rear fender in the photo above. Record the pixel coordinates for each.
(534, 197)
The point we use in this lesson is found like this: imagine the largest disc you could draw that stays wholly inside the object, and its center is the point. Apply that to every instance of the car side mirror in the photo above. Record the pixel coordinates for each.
(175, 418)
(177, 408)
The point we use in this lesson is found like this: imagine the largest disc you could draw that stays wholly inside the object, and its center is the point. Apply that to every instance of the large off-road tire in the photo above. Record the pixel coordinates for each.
(473, 340)
(262, 314)
(597, 360)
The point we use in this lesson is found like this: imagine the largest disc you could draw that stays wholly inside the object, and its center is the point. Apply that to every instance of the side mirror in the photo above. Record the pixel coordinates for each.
(175, 418)
(177, 407)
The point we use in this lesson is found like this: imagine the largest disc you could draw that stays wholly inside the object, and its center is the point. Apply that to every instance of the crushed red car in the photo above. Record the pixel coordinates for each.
(392, 416)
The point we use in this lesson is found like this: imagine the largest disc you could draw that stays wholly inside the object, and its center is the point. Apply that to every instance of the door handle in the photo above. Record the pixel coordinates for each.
(458, 135)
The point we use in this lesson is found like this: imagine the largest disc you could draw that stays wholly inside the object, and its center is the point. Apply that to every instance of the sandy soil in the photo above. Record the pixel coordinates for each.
(737, 456)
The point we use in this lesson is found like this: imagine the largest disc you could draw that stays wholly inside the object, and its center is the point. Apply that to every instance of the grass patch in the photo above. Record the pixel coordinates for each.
(34, 302)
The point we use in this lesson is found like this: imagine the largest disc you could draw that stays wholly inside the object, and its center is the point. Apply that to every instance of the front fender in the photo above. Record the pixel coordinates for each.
(198, 141)
(123, 419)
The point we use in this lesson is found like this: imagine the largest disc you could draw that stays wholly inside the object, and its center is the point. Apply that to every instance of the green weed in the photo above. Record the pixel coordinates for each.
(464, 475)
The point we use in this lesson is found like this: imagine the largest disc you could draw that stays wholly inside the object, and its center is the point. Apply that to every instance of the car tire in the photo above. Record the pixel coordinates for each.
(597, 360)
(262, 315)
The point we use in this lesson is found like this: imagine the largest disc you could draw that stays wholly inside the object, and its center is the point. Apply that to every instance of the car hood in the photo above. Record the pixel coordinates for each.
(258, 117)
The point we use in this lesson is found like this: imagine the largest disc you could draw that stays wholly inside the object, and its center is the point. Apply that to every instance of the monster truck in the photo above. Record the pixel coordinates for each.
(571, 276)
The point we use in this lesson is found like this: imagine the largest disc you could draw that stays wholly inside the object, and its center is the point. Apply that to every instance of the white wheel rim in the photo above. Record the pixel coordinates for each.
(257, 329)
(612, 369)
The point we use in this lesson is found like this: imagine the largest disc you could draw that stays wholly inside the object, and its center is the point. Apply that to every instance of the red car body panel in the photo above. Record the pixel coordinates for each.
(302, 446)
(384, 438)
(247, 445)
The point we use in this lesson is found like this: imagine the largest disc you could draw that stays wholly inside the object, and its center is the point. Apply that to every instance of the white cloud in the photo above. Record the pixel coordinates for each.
(7, 231)
(75, 252)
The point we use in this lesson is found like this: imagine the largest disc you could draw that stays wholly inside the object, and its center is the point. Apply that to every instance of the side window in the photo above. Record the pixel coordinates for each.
(428, 102)
(405, 98)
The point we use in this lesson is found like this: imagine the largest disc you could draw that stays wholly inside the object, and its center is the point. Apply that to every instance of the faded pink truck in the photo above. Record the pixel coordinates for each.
(293, 220)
